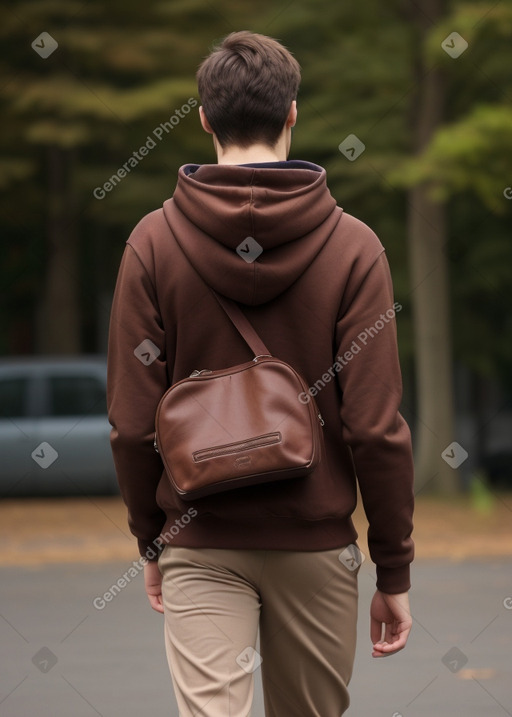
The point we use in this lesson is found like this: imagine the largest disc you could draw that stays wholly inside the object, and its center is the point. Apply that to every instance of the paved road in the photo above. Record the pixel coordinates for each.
(61, 657)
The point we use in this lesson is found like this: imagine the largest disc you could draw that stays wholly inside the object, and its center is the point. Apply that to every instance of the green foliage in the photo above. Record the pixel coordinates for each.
(468, 166)
(482, 499)
(472, 154)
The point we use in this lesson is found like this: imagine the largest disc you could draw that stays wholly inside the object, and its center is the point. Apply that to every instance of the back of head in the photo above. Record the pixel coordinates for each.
(246, 86)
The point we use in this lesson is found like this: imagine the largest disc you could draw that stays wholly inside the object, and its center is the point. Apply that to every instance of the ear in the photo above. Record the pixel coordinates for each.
(204, 122)
(292, 115)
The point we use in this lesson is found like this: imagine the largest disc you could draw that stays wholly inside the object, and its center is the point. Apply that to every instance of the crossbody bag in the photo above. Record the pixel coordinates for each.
(239, 426)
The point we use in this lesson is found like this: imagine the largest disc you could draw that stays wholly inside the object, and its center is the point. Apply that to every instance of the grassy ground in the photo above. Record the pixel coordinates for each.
(36, 532)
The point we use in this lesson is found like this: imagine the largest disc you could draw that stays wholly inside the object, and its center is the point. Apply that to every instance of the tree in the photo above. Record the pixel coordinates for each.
(68, 113)
(428, 236)
(462, 154)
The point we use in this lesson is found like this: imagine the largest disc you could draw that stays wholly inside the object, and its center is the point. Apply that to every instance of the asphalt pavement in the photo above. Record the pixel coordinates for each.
(63, 657)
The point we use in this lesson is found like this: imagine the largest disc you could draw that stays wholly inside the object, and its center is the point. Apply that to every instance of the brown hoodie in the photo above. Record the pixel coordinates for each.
(320, 296)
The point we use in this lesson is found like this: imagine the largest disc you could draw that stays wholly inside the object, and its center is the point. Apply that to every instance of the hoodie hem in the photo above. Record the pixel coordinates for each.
(264, 534)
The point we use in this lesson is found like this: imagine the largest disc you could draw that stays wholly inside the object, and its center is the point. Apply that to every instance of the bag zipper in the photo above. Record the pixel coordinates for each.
(248, 444)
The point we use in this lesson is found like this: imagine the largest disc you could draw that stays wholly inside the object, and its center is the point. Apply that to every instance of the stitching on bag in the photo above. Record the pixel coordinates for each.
(267, 439)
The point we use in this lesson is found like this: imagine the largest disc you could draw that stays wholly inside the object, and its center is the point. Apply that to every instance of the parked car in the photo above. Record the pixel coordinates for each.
(54, 431)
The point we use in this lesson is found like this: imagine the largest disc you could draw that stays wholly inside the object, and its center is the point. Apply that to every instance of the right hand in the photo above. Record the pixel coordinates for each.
(392, 613)
(153, 585)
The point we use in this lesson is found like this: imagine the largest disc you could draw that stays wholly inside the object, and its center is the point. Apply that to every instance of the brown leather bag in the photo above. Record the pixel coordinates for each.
(239, 426)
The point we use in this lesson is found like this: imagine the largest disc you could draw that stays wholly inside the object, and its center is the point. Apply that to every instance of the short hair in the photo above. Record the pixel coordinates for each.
(246, 86)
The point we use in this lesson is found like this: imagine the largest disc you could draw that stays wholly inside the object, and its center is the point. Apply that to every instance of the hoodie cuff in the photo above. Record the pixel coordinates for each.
(394, 580)
(149, 549)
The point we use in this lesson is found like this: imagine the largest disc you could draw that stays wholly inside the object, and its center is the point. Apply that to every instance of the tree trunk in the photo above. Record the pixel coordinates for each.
(428, 260)
(58, 319)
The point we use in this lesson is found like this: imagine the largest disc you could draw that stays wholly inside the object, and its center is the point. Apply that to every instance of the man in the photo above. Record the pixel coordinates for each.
(315, 284)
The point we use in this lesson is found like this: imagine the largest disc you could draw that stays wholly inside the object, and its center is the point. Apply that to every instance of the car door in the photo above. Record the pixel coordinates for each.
(74, 447)
(19, 403)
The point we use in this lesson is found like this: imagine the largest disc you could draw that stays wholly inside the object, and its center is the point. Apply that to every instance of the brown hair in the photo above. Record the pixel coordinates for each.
(246, 86)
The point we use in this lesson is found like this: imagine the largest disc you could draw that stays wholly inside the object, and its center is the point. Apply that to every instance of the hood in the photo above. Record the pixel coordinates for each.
(250, 231)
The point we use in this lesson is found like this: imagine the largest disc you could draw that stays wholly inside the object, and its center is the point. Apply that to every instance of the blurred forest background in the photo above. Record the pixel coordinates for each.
(434, 180)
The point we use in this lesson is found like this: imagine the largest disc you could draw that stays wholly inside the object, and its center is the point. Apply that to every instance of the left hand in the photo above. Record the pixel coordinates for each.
(390, 614)
(153, 585)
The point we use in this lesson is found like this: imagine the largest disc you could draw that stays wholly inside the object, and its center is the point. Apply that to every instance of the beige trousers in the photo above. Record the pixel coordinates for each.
(305, 606)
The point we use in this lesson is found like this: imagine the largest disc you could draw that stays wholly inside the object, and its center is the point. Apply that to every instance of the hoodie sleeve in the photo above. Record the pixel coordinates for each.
(137, 379)
(374, 429)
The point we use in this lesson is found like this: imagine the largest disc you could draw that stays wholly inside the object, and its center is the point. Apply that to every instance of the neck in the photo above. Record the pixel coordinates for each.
(248, 155)
(256, 153)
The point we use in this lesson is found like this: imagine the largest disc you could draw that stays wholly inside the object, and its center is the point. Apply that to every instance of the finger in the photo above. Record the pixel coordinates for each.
(375, 630)
(385, 649)
(156, 603)
(381, 649)
(391, 633)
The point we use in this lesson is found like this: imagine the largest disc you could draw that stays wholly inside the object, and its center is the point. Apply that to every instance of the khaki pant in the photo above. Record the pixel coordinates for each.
(305, 605)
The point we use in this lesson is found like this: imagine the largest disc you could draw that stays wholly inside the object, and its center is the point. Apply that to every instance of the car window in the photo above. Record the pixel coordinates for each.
(76, 395)
(13, 397)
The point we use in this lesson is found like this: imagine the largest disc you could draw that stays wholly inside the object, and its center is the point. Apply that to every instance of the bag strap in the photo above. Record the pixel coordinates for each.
(242, 325)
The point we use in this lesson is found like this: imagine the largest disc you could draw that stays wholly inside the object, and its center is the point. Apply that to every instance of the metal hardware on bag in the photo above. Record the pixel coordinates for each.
(322, 422)
(255, 359)
(199, 373)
